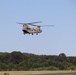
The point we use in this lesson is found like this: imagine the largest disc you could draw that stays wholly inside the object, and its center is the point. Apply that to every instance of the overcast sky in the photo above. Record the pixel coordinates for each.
(52, 40)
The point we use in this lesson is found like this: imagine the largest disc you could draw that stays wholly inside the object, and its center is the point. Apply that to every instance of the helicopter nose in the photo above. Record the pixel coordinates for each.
(40, 30)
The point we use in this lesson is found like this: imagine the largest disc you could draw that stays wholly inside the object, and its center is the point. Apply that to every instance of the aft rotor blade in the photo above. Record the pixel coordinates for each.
(33, 25)
(47, 25)
(44, 25)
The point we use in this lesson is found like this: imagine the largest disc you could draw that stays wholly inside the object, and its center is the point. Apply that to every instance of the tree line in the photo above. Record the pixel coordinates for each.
(16, 61)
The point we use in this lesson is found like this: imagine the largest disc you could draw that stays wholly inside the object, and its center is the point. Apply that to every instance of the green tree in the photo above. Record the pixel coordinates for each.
(16, 57)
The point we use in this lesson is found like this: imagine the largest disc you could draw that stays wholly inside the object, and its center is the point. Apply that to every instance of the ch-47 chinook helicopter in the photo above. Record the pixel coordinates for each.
(28, 30)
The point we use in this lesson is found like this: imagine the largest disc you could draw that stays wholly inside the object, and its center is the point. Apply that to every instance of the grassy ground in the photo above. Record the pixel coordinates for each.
(33, 72)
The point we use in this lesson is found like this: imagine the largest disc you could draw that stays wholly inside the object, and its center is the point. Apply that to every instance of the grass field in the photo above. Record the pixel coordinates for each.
(33, 72)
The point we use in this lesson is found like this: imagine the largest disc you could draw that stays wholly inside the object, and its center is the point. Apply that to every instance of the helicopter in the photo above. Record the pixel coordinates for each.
(28, 30)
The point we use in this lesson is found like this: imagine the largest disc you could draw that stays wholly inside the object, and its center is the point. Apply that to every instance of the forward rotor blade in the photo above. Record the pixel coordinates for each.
(31, 23)
(20, 23)
(34, 22)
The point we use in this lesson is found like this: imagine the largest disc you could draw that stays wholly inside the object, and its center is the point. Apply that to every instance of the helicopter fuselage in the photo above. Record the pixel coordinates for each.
(27, 30)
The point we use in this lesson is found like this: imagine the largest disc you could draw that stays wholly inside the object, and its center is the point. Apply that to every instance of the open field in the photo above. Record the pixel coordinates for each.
(39, 72)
